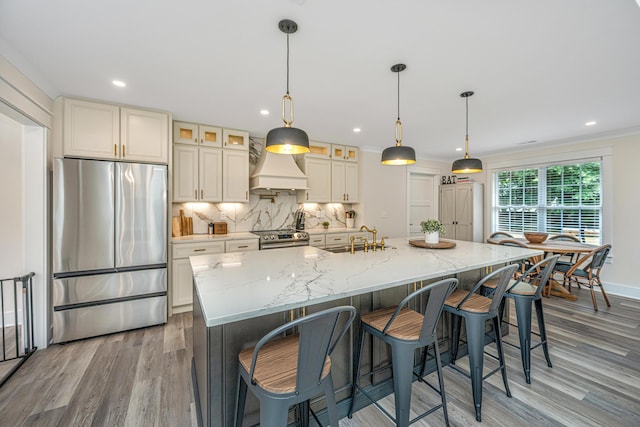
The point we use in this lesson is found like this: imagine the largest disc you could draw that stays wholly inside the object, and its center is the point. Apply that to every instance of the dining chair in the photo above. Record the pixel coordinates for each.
(569, 258)
(405, 330)
(523, 264)
(290, 370)
(500, 235)
(586, 271)
(525, 293)
(476, 310)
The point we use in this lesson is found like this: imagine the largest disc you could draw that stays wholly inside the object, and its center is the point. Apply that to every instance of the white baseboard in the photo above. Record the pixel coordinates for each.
(621, 290)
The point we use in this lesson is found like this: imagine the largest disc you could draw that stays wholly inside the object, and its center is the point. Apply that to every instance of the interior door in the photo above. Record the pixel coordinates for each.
(448, 210)
(421, 201)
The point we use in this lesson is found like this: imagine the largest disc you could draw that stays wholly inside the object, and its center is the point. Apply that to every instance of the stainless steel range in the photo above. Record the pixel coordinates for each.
(285, 238)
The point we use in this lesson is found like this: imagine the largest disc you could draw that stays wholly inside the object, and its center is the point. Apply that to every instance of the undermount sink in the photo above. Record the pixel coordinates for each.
(347, 248)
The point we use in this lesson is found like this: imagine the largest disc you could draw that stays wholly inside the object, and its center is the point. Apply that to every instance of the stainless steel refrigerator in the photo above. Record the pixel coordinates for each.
(109, 247)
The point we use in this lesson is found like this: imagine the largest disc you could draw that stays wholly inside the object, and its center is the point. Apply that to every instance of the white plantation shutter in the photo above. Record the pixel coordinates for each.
(564, 198)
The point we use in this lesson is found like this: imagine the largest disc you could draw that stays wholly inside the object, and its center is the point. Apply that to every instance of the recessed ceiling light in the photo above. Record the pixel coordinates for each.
(590, 123)
(459, 149)
(118, 83)
(264, 112)
(356, 130)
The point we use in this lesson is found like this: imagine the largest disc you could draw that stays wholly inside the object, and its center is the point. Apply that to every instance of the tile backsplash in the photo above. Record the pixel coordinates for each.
(262, 212)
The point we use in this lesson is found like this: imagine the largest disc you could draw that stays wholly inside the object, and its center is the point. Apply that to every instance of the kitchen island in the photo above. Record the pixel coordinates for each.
(239, 297)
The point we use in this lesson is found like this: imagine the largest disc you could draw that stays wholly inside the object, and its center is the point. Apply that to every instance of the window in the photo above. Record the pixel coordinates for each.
(557, 199)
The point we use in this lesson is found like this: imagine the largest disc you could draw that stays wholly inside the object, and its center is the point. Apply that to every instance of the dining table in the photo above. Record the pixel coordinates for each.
(560, 247)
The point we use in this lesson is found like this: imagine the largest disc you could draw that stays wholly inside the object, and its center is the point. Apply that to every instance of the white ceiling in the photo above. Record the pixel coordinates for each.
(540, 69)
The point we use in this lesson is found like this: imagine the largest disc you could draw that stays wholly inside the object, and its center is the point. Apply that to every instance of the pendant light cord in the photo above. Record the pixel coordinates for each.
(467, 128)
(287, 64)
(398, 95)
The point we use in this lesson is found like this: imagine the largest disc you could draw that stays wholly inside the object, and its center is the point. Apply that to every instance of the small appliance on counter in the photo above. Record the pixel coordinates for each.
(299, 218)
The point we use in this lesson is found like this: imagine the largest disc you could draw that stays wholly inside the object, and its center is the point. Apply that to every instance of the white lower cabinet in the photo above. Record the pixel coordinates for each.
(336, 239)
(317, 241)
(182, 278)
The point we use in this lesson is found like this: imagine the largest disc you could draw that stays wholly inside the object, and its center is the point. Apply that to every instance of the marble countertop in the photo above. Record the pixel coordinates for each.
(238, 286)
(213, 237)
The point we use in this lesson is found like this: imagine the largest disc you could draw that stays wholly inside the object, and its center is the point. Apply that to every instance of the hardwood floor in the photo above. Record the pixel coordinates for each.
(142, 378)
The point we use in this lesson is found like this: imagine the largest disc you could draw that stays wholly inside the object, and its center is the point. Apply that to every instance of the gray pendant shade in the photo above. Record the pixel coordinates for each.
(467, 165)
(287, 140)
(398, 155)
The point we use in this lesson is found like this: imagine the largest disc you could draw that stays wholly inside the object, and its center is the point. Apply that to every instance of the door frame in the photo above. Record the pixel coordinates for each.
(417, 170)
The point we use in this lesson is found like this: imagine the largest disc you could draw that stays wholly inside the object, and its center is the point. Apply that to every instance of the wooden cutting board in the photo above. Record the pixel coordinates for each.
(176, 229)
(442, 244)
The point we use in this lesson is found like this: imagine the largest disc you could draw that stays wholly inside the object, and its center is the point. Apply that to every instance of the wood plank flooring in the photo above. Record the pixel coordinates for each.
(142, 378)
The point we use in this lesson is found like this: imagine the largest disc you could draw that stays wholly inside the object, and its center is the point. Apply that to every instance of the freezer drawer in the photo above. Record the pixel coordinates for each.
(87, 289)
(78, 323)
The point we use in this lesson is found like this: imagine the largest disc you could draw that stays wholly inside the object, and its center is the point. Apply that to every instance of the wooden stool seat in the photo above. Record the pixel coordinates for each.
(475, 304)
(406, 326)
(276, 367)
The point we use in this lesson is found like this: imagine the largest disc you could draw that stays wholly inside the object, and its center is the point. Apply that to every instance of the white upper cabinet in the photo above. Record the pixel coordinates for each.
(318, 172)
(344, 182)
(91, 129)
(197, 174)
(235, 139)
(144, 135)
(320, 150)
(345, 152)
(194, 134)
(104, 131)
(235, 179)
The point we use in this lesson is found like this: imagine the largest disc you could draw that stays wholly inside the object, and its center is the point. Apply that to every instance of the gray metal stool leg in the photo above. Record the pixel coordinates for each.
(402, 365)
(443, 395)
(475, 341)
(356, 370)
(543, 330)
(274, 414)
(499, 347)
(523, 314)
(455, 337)
(240, 401)
(332, 409)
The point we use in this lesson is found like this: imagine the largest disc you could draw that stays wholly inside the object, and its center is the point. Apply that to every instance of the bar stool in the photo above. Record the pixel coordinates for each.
(282, 372)
(405, 330)
(525, 292)
(476, 310)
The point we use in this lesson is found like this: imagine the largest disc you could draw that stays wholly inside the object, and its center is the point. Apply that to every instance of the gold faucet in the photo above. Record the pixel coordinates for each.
(374, 231)
(352, 239)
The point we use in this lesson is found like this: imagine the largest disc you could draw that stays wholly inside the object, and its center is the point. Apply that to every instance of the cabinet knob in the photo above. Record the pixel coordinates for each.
(123, 152)
(115, 150)
(196, 191)
(201, 194)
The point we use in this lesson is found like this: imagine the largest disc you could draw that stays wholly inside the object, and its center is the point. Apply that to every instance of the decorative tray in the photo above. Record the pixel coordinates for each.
(442, 244)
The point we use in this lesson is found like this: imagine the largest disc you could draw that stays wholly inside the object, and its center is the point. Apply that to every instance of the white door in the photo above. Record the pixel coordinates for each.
(422, 203)
(235, 182)
(210, 174)
(185, 173)
(144, 135)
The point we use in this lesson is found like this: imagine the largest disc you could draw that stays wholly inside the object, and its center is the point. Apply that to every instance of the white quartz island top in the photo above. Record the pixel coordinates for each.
(238, 286)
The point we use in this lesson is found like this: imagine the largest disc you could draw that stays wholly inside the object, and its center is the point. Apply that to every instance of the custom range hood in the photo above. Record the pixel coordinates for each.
(277, 172)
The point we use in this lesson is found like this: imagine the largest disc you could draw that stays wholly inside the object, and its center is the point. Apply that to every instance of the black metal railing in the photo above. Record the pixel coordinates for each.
(16, 320)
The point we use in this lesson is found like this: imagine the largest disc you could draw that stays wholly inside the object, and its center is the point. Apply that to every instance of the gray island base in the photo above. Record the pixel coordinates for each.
(240, 297)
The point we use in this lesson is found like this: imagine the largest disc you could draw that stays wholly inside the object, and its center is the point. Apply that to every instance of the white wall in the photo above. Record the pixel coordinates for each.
(621, 204)
(11, 245)
(383, 193)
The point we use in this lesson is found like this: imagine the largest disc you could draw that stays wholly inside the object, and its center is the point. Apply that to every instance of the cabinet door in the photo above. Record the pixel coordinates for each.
(235, 139)
(241, 245)
(338, 182)
(235, 172)
(185, 173)
(464, 214)
(181, 283)
(185, 133)
(351, 182)
(318, 173)
(321, 150)
(144, 135)
(344, 152)
(91, 129)
(210, 136)
(210, 174)
(336, 239)
(448, 209)
(317, 240)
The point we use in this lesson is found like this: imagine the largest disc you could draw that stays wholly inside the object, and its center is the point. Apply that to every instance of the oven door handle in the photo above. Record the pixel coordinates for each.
(276, 245)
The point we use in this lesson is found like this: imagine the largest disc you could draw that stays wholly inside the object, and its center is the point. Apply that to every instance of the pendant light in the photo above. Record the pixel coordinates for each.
(287, 139)
(398, 154)
(467, 164)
